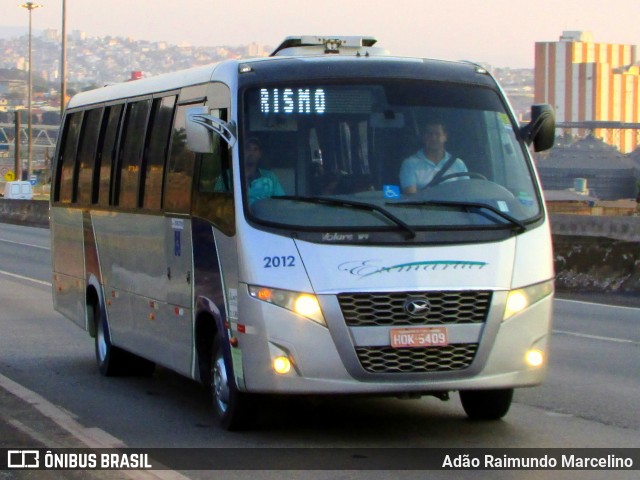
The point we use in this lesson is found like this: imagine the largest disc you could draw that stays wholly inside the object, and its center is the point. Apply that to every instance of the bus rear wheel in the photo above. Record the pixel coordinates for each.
(110, 359)
(113, 361)
(486, 404)
(231, 407)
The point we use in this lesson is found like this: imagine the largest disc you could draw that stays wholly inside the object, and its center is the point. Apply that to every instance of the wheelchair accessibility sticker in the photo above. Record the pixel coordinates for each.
(391, 191)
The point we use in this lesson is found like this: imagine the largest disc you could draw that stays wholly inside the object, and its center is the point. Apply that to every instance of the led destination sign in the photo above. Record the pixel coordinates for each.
(292, 100)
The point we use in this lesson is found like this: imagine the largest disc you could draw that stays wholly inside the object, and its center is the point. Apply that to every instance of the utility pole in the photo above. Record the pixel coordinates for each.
(30, 6)
(16, 144)
(63, 60)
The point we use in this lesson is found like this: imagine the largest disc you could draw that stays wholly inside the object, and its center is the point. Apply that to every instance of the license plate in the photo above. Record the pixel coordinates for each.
(419, 337)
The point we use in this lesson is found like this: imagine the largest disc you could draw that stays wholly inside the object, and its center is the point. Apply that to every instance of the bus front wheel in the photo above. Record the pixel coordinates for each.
(231, 406)
(486, 404)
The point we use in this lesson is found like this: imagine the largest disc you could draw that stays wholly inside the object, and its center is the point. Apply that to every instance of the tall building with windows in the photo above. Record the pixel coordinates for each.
(590, 82)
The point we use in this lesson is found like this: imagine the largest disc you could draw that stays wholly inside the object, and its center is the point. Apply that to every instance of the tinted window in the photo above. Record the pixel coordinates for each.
(160, 132)
(214, 194)
(67, 167)
(87, 154)
(132, 149)
(107, 152)
(177, 194)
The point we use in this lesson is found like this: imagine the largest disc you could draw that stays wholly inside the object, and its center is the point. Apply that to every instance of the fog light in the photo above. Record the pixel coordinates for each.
(281, 365)
(535, 358)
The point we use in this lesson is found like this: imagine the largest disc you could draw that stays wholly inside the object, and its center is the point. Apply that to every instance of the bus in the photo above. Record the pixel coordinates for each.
(246, 225)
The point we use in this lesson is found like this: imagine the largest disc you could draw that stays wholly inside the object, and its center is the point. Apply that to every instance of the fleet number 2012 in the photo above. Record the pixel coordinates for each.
(277, 262)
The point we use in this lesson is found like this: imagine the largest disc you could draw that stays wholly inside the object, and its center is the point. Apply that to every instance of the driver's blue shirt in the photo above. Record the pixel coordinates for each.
(417, 170)
(265, 185)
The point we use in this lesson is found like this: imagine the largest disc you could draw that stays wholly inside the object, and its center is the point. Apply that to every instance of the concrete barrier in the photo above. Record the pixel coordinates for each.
(597, 254)
(617, 228)
(34, 213)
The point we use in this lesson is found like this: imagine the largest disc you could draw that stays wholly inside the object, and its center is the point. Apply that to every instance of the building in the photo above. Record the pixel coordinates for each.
(590, 82)
(590, 167)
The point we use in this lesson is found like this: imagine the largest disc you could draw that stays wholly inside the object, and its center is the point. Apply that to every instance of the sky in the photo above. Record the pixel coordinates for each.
(499, 32)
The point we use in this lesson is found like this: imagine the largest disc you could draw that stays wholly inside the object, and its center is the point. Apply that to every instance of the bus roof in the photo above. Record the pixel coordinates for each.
(145, 86)
(277, 66)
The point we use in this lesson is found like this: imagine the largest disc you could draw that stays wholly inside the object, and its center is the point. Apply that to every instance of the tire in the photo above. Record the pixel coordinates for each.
(486, 404)
(113, 361)
(231, 407)
(110, 359)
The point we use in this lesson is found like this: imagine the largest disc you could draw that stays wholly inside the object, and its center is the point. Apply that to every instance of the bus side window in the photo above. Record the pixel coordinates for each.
(179, 176)
(132, 149)
(160, 128)
(67, 163)
(87, 155)
(107, 152)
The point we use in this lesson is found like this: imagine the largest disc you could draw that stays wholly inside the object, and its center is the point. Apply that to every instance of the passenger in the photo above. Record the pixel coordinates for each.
(420, 169)
(261, 183)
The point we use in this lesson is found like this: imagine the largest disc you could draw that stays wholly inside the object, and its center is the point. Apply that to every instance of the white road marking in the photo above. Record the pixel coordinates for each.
(25, 244)
(91, 437)
(597, 337)
(21, 277)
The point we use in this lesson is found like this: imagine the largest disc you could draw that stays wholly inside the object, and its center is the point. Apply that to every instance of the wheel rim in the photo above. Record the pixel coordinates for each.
(101, 342)
(220, 384)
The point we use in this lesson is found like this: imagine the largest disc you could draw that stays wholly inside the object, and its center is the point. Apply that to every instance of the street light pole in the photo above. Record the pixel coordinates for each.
(30, 6)
(63, 60)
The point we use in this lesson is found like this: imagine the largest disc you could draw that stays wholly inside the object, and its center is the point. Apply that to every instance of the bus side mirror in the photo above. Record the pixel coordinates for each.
(541, 130)
(200, 125)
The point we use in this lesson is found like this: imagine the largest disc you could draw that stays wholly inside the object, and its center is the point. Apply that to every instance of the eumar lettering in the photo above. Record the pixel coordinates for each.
(367, 268)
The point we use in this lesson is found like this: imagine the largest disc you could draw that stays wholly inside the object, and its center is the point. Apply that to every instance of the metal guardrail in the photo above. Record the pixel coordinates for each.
(43, 135)
(591, 125)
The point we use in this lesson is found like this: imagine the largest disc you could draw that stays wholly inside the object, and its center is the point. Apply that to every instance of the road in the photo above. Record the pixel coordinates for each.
(589, 399)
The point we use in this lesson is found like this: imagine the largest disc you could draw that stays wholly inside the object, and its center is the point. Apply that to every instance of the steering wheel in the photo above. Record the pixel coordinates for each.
(449, 176)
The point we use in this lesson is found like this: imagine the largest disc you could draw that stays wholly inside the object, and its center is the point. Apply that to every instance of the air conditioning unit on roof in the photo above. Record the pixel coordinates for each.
(319, 45)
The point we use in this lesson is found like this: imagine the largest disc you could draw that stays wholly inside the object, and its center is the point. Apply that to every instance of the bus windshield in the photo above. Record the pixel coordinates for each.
(384, 155)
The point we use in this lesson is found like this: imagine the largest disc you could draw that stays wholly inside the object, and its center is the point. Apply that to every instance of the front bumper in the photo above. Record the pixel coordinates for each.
(325, 360)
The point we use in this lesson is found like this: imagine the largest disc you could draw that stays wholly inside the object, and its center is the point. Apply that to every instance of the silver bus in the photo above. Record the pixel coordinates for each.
(328, 220)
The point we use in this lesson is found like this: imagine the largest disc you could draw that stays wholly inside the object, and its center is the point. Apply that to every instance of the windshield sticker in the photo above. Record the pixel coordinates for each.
(502, 206)
(391, 191)
(367, 268)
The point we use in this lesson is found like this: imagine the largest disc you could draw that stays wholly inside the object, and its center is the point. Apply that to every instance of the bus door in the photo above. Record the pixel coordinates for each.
(179, 277)
(178, 247)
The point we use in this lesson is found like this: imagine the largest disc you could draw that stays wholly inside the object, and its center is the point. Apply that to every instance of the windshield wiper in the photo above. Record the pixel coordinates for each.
(466, 206)
(411, 233)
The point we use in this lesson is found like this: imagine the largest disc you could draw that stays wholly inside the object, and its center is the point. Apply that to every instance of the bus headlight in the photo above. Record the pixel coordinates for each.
(520, 299)
(304, 304)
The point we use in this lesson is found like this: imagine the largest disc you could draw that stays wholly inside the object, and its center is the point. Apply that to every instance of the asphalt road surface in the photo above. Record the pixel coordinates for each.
(52, 395)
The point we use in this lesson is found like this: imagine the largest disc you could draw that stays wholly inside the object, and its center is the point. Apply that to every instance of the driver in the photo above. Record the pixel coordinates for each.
(420, 169)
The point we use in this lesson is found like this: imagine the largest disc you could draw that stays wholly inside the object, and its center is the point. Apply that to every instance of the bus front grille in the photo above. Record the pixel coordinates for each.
(390, 309)
(416, 360)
